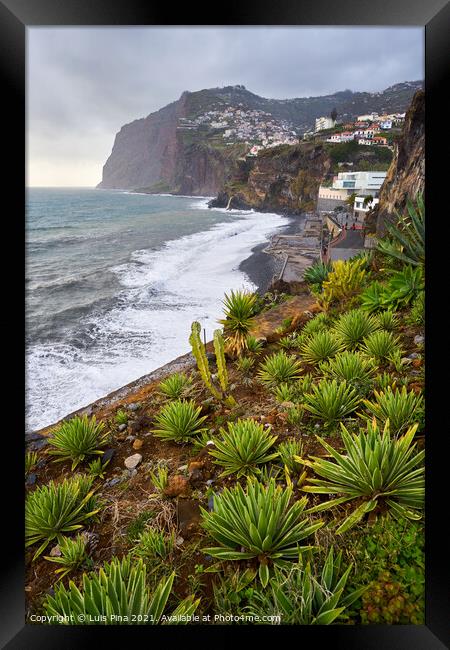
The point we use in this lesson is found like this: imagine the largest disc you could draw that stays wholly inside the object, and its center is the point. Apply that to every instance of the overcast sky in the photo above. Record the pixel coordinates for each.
(84, 83)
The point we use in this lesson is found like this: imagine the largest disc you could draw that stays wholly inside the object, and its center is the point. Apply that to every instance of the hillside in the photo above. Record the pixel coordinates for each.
(193, 145)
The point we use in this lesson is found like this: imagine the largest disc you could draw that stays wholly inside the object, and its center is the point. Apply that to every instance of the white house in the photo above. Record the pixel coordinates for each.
(369, 117)
(363, 183)
(323, 123)
(360, 209)
(365, 141)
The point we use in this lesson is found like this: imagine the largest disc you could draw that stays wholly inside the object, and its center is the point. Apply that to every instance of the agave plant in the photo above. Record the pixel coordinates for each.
(317, 273)
(376, 469)
(245, 365)
(398, 406)
(352, 367)
(331, 400)
(73, 555)
(239, 309)
(387, 320)
(405, 285)
(381, 345)
(121, 417)
(257, 523)
(321, 346)
(179, 421)
(406, 238)
(77, 438)
(289, 341)
(287, 451)
(384, 380)
(279, 368)
(153, 544)
(417, 314)
(286, 392)
(319, 323)
(97, 469)
(254, 345)
(243, 447)
(55, 509)
(31, 461)
(301, 596)
(353, 326)
(175, 386)
(118, 593)
(374, 298)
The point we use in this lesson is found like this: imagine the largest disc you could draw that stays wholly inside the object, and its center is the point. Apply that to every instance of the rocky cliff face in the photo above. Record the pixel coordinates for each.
(283, 179)
(406, 175)
(171, 151)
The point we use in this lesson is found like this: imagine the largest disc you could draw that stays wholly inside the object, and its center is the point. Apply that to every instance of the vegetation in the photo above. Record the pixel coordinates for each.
(179, 421)
(317, 273)
(406, 238)
(343, 283)
(117, 592)
(153, 544)
(376, 469)
(331, 401)
(78, 438)
(243, 447)
(55, 509)
(353, 367)
(279, 368)
(381, 345)
(400, 407)
(321, 346)
(175, 386)
(73, 555)
(353, 326)
(239, 308)
(257, 523)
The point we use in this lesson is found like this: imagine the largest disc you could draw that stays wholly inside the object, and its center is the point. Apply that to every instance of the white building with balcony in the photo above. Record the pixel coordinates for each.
(363, 183)
(323, 123)
(361, 208)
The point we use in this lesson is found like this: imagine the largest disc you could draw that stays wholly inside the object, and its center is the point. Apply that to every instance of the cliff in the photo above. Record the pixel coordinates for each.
(406, 175)
(281, 179)
(184, 148)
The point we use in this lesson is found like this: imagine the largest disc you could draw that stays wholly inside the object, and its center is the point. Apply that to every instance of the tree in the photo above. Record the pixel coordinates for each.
(367, 200)
(351, 200)
(333, 114)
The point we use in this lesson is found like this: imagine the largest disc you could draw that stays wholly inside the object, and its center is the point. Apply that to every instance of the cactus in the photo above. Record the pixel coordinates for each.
(199, 352)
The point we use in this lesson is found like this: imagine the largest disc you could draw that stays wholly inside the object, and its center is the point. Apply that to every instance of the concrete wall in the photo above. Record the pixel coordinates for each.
(328, 205)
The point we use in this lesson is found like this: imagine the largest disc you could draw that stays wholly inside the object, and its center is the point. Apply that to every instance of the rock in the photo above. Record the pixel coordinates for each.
(419, 340)
(179, 541)
(133, 461)
(122, 427)
(417, 363)
(405, 360)
(182, 468)
(31, 479)
(134, 406)
(37, 444)
(130, 438)
(132, 472)
(109, 453)
(210, 481)
(56, 551)
(414, 355)
(177, 486)
(196, 477)
(137, 444)
(317, 426)
(112, 482)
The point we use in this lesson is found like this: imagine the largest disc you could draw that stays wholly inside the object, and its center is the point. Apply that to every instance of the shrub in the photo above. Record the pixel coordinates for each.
(353, 326)
(376, 469)
(118, 590)
(405, 239)
(416, 315)
(374, 298)
(279, 368)
(398, 406)
(239, 309)
(55, 509)
(317, 273)
(320, 346)
(387, 320)
(286, 392)
(287, 451)
(352, 367)
(302, 596)
(73, 555)
(243, 447)
(381, 345)
(257, 523)
(245, 365)
(179, 421)
(331, 401)
(96, 468)
(254, 345)
(153, 544)
(121, 417)
(77, 438)
(288, 342)
(384, 380)
(345, 281)
(175, 386)
(319, 323)
(404, 286)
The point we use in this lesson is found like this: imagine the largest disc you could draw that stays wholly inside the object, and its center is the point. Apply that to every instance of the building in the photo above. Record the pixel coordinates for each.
(360, 210)
(370, 117)
(366, 141)
(323, 123)
(379, 140)
(363, 183)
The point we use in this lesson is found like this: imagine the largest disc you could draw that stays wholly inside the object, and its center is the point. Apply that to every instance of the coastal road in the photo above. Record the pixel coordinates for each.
(349, 243)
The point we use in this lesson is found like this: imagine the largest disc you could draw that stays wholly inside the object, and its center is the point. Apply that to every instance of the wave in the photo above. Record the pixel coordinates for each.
(148, 322)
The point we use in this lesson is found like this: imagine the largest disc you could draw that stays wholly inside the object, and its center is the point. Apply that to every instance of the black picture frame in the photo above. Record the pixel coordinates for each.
(15, 16)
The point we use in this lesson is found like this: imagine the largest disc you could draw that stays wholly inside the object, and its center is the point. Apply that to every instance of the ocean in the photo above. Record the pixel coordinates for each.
(113, 283)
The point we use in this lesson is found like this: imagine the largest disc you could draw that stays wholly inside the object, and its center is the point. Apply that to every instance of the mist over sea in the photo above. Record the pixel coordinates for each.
(113, 282)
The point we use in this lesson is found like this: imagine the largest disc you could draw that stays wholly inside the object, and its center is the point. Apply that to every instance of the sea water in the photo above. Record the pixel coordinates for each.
(113, 283)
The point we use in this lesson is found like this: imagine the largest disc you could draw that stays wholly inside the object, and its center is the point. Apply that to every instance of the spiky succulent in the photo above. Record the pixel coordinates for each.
(77, 439)
(73, 555)
(279, 368)
(55, 509)
(257, 523)
(331, 400)
(317, 273)
(179, 421)
(381, 345)
(175, 386)
(375, 469)
(387, 320)
(353, 367)
(118, 592)
(321, 346)
(400, 407)
(405, 240)
(239, 309)
(353, 326)
(243, 447)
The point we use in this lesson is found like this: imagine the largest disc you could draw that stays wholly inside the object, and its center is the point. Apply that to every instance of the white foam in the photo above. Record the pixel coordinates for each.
(164, 291)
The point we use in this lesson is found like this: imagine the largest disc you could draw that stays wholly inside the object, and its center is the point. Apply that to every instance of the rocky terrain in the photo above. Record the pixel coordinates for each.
(180, 150)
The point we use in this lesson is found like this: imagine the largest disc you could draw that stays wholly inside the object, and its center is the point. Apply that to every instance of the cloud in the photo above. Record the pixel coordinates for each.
(83, 84)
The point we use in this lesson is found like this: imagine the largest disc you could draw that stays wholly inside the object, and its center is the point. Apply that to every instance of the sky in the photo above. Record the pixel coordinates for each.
(84, 83)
